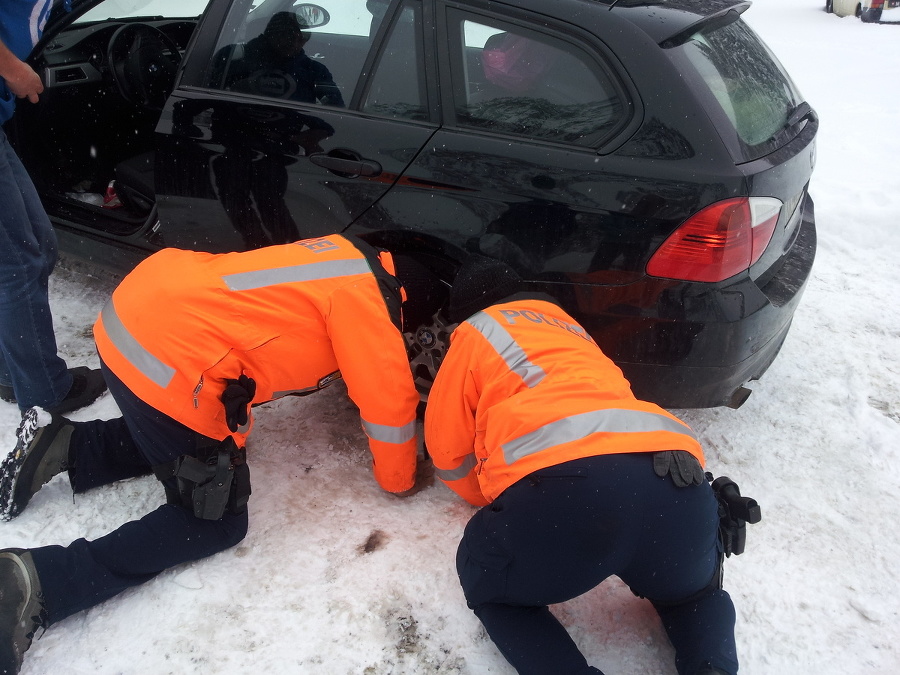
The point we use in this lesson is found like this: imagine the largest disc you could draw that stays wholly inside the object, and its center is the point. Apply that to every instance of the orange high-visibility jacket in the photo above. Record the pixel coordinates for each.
(288, 316)
(524, 387)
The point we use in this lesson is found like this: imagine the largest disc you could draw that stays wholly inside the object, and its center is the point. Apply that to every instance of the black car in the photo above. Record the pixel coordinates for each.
(644, 161)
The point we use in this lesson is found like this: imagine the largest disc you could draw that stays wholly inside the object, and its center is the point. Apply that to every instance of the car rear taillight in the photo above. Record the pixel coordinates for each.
(877, 4)
(720, 241)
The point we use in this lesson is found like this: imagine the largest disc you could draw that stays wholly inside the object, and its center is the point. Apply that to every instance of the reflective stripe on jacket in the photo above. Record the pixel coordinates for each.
(524, 387)
(288, 316)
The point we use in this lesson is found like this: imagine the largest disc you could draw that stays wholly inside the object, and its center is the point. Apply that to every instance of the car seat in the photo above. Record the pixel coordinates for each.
(135, 185)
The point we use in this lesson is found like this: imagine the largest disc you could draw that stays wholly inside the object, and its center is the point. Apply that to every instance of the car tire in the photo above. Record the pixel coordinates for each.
(870, 15)
(829, 6)
(426, 347)
(427, 330)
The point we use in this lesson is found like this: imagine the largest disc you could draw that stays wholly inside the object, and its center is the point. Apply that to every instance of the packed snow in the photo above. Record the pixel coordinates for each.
(337, 576)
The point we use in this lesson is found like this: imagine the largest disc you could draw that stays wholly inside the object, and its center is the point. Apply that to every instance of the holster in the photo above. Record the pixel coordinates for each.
(735, 511)
(216, 479)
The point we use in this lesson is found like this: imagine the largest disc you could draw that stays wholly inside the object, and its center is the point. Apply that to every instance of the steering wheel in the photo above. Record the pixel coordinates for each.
(143, 61)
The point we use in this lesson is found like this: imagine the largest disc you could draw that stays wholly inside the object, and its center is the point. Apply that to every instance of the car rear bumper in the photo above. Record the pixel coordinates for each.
(705, 343)
(701, 386)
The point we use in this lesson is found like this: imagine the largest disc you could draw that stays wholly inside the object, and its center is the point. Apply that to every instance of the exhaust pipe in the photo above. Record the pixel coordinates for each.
(740, 395)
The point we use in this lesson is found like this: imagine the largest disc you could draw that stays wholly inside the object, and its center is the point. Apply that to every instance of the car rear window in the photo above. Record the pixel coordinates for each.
(746, 91)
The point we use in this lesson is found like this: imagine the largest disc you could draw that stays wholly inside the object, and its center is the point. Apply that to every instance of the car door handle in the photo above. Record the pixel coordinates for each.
(346, 163)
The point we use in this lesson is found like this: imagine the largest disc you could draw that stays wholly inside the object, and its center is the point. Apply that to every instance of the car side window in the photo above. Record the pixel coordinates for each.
(290, 54)
(513, 80)
(398, 84)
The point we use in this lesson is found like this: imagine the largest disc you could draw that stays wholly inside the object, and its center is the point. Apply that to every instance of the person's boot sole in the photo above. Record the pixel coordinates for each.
(15, 494)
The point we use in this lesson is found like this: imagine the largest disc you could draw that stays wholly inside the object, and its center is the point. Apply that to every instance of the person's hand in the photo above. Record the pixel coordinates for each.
(236, 398)
(424, 478)
(23, 81)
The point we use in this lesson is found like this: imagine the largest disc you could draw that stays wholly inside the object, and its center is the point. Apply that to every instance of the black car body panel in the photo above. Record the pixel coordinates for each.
(577, 187)
(267, 147)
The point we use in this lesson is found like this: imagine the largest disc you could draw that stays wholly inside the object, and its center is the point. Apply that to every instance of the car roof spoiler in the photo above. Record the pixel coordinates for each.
(683, 18)
(711, 22)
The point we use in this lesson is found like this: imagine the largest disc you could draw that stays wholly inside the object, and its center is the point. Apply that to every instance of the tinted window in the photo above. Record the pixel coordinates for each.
(512, 80)
(272, 54)
(397, 87)
(746, 90)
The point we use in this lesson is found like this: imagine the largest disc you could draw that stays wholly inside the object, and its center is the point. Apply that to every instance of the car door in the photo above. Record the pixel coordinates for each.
(514, 172)
(262, 145)
(89, 121)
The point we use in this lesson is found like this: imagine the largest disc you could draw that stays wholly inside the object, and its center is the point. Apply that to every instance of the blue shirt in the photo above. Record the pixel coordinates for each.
(21, 26)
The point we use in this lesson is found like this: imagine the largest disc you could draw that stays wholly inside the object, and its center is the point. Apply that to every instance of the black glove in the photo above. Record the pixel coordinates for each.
(681, 465)
(236, 398)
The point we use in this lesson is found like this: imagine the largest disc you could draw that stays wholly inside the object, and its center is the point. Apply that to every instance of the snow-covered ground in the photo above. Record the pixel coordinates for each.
(339, 577)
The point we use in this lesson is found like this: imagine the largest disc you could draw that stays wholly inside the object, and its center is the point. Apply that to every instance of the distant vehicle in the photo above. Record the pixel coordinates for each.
(844, 7)
(646, 163)
(880, 11)
(868, 11)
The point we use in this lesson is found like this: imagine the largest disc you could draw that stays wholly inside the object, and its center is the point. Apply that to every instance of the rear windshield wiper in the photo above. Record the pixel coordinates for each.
(801, 112)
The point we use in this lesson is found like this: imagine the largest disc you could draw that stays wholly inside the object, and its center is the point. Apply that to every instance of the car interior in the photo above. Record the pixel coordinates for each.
(107, 81)
(105, 86)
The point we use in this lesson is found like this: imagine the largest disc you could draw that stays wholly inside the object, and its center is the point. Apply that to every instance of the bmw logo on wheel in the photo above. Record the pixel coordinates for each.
(426, 338)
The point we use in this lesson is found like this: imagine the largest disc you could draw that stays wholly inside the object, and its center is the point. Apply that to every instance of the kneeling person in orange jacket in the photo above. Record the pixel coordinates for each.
(578, 481)
(188, 343)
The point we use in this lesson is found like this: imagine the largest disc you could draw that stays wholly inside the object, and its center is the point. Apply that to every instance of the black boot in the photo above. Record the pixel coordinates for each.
(87, 385)
(42, 451)
(21, 607)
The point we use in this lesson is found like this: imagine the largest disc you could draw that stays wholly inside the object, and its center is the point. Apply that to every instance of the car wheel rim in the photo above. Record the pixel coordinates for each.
(426, 348)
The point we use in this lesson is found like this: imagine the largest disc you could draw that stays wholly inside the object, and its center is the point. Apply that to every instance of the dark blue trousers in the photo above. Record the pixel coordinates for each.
(85, 573)
(559, 532)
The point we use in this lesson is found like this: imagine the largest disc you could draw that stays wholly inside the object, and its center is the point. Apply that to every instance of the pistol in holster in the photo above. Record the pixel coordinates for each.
(735, 512)
(216, 479)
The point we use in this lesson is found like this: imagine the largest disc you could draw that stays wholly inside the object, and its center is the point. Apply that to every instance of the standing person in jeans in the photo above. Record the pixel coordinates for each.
(31, 371)
(578, 481)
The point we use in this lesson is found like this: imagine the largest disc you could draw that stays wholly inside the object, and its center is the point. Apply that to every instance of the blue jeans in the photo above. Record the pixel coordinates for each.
(28, 359)
(85, 573)
(561, 531)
